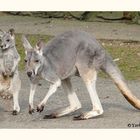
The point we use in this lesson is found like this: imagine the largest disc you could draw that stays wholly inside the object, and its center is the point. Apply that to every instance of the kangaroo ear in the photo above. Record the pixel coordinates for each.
(26, 44)
(39, 46)
(12, 33)
(1, 33)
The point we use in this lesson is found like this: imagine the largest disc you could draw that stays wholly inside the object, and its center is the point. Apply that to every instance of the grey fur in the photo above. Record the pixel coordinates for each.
(9, 76)
(74, 53)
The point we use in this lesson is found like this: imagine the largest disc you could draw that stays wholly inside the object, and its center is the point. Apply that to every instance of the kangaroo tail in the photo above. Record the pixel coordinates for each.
(113, 71)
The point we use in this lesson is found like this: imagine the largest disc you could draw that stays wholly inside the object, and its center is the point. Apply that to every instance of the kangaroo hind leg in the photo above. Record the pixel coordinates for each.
(89, 77)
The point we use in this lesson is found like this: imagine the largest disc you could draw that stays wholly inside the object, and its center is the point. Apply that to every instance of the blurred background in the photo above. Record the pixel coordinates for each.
(131, 17)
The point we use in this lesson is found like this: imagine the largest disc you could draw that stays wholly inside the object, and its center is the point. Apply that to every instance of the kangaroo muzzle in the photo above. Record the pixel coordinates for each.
(29, 73)
(2, 46)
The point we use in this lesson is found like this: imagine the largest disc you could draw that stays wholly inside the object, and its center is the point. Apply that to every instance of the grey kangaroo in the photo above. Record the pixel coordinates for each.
(9, 76)
(72, 53)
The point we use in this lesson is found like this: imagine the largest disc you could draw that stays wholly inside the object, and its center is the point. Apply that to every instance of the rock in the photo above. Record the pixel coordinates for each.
(21, 13)
(25, 13)
(138, 54)
(14, 13)
(77, 15)
(90, 16)
(103, 44)
(50, 14)
(110, 15)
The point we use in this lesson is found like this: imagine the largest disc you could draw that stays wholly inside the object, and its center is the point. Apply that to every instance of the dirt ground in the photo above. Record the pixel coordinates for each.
(101, 30)
(117, 111)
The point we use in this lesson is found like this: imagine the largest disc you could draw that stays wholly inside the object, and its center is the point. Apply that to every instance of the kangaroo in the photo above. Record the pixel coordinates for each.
(72, 53)
(10, 82)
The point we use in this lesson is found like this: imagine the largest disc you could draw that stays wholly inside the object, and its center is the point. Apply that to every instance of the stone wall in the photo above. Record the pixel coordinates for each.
(86, 16)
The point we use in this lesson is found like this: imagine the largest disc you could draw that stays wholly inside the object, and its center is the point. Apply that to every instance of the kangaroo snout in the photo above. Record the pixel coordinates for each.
(1, 46)
(29, 73)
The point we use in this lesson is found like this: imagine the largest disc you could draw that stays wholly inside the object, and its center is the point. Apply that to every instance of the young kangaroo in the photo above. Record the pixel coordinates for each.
(9, 76)
(72, 53)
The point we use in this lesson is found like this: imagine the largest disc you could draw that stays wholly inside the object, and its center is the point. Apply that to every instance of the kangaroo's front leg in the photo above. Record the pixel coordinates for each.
(15, 88)
(52, 90)
(31, 97)
(73, 100)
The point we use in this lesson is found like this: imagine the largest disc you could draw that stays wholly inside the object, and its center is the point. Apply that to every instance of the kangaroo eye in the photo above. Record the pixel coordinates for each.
(8, 40)
(36, 61)
(25, 60)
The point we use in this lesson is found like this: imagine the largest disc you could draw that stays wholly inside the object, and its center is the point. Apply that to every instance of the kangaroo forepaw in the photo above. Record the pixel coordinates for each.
(31, 111)
(40, 108)
(14, 112)
(6, 96)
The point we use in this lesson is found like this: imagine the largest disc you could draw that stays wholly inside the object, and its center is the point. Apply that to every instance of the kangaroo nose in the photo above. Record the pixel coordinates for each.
(2, 46)
(29, 73)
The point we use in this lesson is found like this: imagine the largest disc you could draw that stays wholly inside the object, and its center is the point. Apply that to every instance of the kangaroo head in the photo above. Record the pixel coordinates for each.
(7, 39)
(33, 58)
